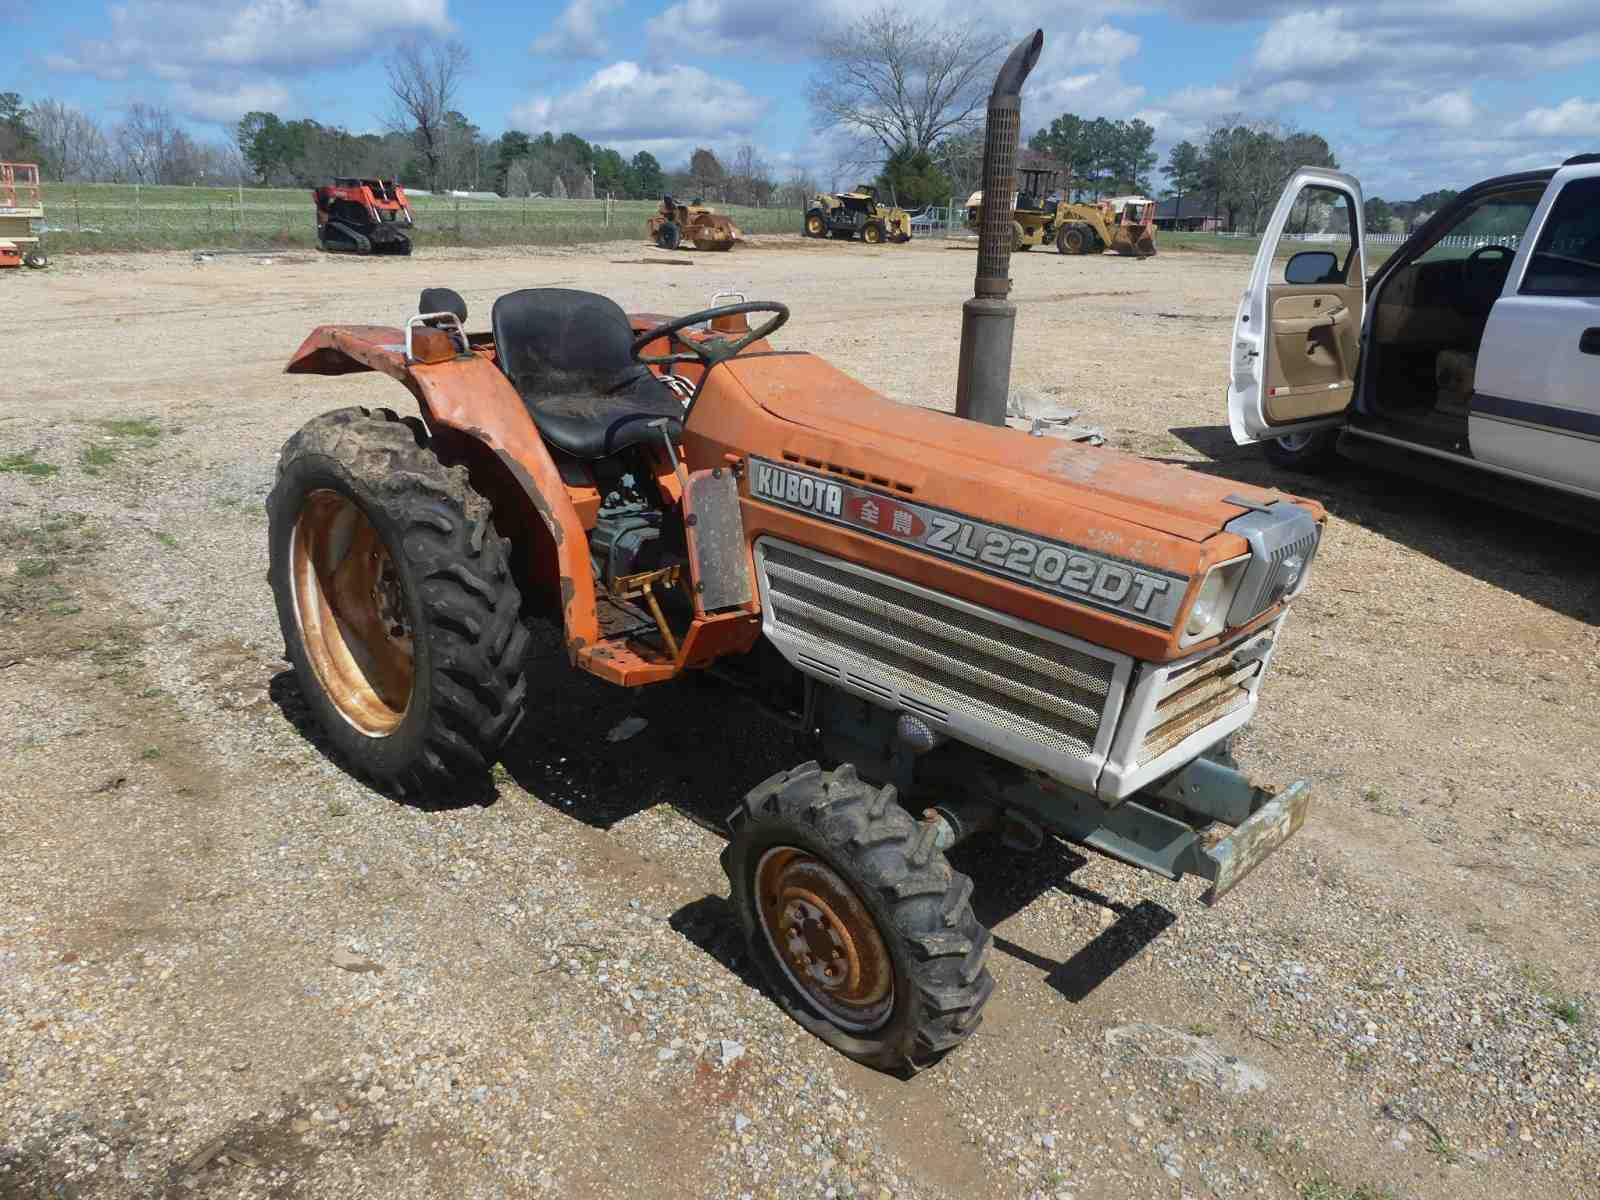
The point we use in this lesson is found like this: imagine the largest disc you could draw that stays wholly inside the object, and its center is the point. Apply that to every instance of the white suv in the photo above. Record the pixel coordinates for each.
(1476, 344)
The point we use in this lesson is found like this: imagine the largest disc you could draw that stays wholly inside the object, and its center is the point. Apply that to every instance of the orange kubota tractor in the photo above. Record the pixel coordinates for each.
(363, 216)
(985, 629)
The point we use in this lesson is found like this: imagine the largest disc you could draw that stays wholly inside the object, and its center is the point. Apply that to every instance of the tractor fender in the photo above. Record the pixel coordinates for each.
(477, 419)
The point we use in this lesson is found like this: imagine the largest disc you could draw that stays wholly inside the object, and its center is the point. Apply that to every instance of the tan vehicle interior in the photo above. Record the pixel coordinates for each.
(1432, 312)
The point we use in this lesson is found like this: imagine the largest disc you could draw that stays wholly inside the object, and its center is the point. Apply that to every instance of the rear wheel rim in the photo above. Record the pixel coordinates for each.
(351, 613)
(824, 939)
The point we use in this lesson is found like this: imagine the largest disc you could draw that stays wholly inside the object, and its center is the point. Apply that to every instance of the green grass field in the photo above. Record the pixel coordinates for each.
(124, 217)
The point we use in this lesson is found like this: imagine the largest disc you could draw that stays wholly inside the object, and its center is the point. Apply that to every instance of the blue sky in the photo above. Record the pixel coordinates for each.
(1412, 94)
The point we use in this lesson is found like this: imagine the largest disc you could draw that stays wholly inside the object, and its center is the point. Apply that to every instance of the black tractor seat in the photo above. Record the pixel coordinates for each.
(568, 354)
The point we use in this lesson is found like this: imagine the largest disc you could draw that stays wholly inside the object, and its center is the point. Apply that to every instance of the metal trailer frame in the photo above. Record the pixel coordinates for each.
(21, 205)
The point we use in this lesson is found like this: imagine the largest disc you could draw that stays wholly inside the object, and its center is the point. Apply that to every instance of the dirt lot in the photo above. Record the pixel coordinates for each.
(229, 969)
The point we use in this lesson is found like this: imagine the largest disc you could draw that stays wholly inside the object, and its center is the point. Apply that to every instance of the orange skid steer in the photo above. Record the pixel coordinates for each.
(983, 629)
(363, 216)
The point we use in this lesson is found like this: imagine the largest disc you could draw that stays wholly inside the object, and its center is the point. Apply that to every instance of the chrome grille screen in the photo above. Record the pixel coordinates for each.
(958, 665)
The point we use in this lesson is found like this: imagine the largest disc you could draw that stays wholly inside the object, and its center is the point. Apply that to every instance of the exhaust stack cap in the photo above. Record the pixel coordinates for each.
(988, 320)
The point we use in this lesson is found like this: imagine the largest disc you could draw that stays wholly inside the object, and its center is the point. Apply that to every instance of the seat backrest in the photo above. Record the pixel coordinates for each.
(559, 341)
(443, 299)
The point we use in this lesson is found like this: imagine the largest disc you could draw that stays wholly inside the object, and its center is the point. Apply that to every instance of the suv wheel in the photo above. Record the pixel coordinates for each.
(1302, 451)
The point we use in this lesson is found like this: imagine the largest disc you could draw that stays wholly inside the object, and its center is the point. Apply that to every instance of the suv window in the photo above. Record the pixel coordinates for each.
(1566, 262)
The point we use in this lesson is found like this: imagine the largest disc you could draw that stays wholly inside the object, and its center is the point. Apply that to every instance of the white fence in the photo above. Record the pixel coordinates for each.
(1461, 241)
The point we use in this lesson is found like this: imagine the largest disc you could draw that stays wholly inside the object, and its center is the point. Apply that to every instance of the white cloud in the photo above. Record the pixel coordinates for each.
(1573, 117)
(1444, 110)
(656, 109)
(171, 38)
(1202, 102)
(1103, 46)
(1309, 43)
(1419, 42)
(776, 30)
(225, 105)
(576, 32)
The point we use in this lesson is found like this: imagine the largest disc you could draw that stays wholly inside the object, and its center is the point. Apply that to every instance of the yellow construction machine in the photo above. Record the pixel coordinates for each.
(849, 214)
(1125, 225)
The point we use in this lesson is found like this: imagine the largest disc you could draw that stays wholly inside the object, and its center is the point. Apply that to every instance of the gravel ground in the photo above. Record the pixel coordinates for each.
(229, 969)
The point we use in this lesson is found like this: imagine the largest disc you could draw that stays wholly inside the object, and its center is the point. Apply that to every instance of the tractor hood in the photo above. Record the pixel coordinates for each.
(1003, 475)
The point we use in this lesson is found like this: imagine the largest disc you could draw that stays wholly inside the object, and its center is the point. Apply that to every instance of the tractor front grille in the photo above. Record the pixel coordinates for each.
(1199, 694)
(1035, 696)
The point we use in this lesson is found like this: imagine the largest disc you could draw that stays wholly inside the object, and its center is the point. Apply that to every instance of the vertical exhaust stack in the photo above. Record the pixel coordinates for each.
(988, 320)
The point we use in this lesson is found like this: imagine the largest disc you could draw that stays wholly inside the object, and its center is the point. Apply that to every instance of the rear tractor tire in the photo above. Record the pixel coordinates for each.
(397, 603)
(862, 930)
(816, 224)
(1017, 246)
(669, 235)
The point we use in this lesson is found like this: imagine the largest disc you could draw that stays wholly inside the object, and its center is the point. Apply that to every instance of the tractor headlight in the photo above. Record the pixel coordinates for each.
(1209, 614)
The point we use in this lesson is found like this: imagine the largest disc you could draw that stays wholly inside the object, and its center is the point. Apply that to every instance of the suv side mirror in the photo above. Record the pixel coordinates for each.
(1312, 266)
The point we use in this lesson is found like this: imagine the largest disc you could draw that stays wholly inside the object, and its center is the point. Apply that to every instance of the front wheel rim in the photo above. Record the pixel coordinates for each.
(1294, 443)
(351, 614)
(824, 940)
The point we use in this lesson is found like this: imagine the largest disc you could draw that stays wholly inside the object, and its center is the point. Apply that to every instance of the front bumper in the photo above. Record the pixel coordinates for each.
(1207, 820)
(1228, 861)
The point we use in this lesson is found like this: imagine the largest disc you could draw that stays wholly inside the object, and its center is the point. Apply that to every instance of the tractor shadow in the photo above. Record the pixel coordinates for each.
(1554, 566)
(702, 747)
(1007, 881)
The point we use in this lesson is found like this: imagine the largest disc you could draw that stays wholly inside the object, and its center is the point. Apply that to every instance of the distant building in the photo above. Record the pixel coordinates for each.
(1199, 212)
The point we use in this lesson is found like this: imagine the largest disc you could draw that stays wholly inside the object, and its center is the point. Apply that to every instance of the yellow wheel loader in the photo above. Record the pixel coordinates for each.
(1125, 225)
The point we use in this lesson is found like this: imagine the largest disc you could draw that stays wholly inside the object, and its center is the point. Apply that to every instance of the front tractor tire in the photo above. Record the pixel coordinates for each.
(873, 233)
(669, 236)
(862, 930)
(1072, 239)
(397, 603)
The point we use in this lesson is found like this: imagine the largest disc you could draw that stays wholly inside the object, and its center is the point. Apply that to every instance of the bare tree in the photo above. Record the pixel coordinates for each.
(517, 178)
(74, 146)
(798, 189)
(749, 177)
(893, 81)
(424, 78)
(145, 141)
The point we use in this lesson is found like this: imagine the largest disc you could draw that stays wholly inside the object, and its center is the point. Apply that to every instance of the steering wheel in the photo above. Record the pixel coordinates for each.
(1476, 272)
(710, 353)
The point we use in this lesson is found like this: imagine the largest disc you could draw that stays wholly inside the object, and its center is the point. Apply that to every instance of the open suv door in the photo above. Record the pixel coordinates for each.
(1297, 334)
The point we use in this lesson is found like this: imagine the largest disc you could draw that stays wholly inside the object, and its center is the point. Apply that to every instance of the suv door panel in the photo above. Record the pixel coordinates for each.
(1536, 401)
